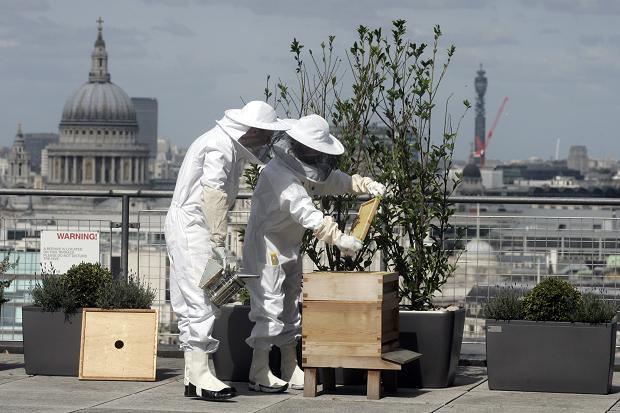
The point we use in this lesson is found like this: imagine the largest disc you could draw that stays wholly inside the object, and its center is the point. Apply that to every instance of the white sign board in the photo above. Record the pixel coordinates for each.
(62, 249)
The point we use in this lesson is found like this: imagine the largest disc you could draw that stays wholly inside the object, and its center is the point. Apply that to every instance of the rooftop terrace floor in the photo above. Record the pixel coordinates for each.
(22, 393)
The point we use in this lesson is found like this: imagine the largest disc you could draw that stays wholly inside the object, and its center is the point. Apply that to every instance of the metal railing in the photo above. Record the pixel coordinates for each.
(502, 241)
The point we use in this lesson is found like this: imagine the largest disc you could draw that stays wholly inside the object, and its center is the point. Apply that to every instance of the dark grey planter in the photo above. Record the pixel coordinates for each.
(550, 356)
(51, 342)
(233, 358)
(438, 336)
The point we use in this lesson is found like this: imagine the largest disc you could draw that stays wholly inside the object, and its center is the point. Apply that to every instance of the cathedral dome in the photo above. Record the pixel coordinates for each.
(471, 171)
(99, 101)
(96, 102)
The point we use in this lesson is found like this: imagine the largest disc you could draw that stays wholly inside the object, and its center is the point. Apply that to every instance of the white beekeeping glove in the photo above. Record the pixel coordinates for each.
(365, 185)
(328, 231)
(375, 188)
(215, 210)
(349, 245)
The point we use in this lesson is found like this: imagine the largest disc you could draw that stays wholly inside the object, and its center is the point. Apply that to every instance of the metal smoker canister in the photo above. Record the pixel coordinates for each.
(225, 285)
(222, 287)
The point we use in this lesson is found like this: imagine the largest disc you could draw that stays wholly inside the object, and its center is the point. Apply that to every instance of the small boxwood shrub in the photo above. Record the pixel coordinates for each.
(507, 305)
(552, 299)
(51, 294)
(595, 310)
(86, 281)
(90, 285)
(126, 294)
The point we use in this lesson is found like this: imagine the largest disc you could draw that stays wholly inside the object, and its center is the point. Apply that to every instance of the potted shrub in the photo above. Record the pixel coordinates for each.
(413, 225)
(394, 82)
(5, 266)
(52, 325)
(551, 339)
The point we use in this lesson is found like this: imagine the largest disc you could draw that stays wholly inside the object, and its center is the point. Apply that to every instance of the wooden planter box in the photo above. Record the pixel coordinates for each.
(350, 320)
(118, 345)
(550, 356)
(51, 342)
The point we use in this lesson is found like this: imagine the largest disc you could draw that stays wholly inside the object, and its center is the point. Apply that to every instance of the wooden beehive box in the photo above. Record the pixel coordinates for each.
(118, 345)
(350, 319)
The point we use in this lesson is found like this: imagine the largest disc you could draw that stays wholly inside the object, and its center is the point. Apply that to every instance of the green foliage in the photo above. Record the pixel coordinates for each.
(507, 305)
(51, 294)
(553, 299)
(244, 296)
(5, 265)
(251, 175)
(126, 294)
(395, 82)
(4, 284)
(414, 164)
(86, 281)
(319, 89)
(90, 285)
(594, 310)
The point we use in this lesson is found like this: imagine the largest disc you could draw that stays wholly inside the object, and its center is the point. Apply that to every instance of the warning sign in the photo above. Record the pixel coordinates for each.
(62, 249)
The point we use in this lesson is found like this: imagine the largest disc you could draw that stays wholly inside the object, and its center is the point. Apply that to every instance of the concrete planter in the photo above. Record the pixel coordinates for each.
(51, 342)
(550, 356)
(438, 336)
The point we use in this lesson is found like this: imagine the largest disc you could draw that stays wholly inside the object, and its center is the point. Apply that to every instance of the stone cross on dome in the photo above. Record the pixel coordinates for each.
(99, 58)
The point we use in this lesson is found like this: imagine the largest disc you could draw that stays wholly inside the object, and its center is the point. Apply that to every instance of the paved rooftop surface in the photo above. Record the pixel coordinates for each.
(22, 393)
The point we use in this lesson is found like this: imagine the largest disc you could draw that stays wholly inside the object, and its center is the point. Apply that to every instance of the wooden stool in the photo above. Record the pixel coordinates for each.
(373, 387)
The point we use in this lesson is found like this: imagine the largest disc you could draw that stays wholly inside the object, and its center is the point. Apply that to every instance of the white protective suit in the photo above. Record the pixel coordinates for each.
(282, 209)
(213, 161)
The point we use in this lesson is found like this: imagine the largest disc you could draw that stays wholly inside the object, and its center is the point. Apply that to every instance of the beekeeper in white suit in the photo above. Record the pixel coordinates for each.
(195, 230)
(282, 209)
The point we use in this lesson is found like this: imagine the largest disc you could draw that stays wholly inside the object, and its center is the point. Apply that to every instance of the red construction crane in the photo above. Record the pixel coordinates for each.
(480, 148)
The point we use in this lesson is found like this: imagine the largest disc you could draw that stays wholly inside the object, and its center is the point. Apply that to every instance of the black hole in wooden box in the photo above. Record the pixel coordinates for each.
(119, 344)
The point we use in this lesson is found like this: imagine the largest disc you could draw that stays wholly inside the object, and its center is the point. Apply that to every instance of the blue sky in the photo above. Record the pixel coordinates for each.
(557, 61)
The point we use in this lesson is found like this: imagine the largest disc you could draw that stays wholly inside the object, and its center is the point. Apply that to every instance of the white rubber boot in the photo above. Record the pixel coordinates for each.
(188, 356)
(261, 378)
(288, 365)
(202, 381)
(212, 365)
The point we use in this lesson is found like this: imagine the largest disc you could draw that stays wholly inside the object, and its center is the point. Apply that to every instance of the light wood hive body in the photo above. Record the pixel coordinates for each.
(350, 319)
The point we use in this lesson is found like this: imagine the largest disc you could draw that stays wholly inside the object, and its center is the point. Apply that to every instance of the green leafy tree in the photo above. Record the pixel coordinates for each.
(319, 89)
(414, 222)
(383, 115)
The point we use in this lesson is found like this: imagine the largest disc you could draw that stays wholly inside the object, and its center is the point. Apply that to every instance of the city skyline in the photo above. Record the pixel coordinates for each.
(556, 61)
